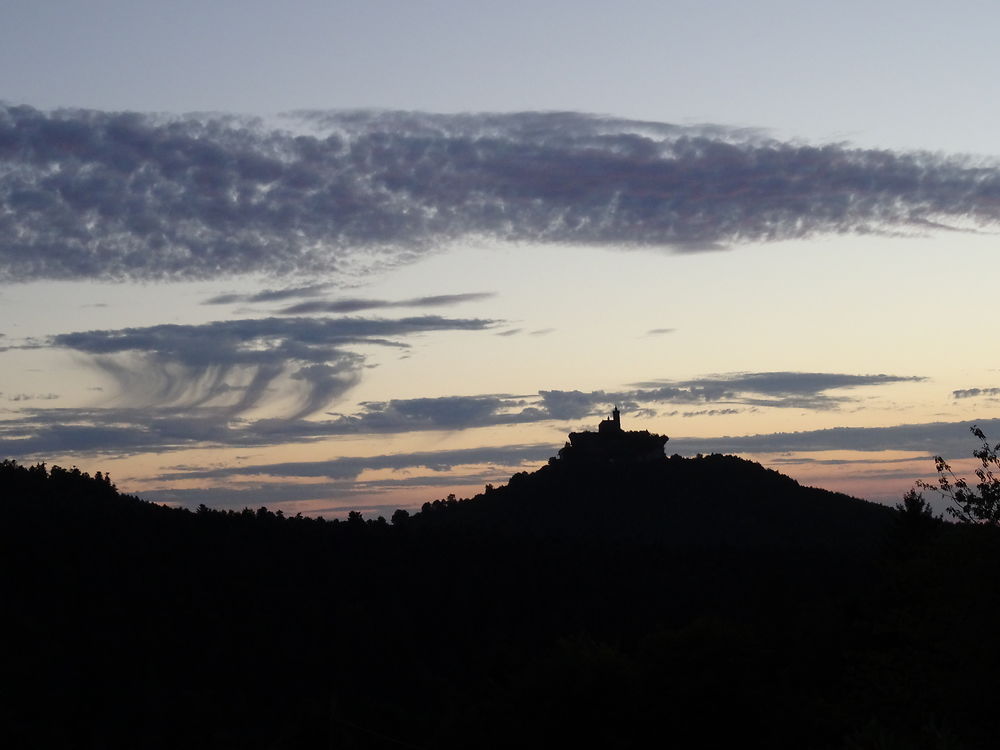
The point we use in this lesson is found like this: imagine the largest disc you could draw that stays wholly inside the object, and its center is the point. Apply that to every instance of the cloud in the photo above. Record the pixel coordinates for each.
(325, 383)
(949, 439)
(442, 413)
(359, 305)
(87, 194)
(337, 498)
(975, 393)
(711, 412)
(241, 486)
(659, 331)
(253, 496)
(799, 383)
(235, 363)
(573, 404)
(45, 433)
(797, 390)
(343, 487)
(351, 468)
(269, 295)
(865, 461)
(181, 420)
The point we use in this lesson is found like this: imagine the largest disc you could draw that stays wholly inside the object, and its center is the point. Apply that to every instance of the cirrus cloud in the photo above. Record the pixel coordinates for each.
(174, 418)
(234, 363)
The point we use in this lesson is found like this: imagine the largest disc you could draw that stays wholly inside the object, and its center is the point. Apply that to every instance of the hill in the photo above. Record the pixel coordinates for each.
(588, 603)
(710, 501)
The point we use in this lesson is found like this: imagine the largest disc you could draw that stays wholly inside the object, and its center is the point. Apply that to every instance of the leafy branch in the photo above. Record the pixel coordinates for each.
(978, 504)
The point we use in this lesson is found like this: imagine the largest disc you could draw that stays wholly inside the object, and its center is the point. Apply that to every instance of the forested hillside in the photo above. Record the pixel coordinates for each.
(700, 602)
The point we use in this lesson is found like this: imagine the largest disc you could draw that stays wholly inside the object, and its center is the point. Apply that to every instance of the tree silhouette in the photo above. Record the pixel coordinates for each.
(914, 508)
(971, 505)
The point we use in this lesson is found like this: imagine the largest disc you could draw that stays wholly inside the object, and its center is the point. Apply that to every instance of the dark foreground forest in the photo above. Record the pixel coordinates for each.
(683, 603)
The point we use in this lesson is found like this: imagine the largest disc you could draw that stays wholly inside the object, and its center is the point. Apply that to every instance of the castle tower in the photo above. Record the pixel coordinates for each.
(612, 444)
(613, 425)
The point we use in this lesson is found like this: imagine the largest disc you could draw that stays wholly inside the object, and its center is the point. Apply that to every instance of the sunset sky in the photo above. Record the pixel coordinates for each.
(326, 256)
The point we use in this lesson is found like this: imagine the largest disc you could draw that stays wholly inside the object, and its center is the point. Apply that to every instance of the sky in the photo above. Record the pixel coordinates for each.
(331, 256)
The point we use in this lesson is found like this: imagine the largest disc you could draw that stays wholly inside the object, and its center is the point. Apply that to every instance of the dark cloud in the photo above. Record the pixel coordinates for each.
(186, 421)
(806, 390)
(240, 486)
(359, 305)
(133, 430)
(87, 194)
(710, 412)
(799, 383)
(269, 295)
(236, 363)
(444, 413)
(797, 390)
(976, 393)
(950, 439)
(271, 496)
(342, 496)
(659, 331)
(573, 404)
(325, 383)
(778, 390)
(865, 461)
(351, 468)
(59, 432)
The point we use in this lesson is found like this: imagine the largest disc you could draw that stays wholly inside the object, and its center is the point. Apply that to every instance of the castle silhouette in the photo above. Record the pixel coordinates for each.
(612, 444)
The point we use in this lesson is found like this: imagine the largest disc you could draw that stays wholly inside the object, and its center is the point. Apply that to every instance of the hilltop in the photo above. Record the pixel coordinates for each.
(703, 502)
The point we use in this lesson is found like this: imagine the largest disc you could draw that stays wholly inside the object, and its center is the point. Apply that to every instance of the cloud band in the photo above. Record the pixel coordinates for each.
(87, 194)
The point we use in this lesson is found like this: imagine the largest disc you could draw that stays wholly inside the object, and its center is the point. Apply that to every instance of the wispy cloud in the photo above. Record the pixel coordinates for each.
(87, 194)
(783, 390)
(710, 412)
(976, 393)
(333, 485)
(181, 420)
(270, 295)
(276, 484)
(360, 305)
(949, 439)
(323, 498)
(234, 363)
(351, 468)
